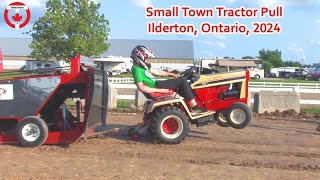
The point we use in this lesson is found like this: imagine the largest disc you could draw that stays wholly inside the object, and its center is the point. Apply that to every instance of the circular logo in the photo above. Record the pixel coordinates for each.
(17, 6)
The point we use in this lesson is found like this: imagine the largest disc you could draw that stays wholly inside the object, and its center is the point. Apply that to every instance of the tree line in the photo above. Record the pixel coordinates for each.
(273, 59)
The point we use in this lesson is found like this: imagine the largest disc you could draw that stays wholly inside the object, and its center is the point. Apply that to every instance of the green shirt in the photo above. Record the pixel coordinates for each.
(142, 75)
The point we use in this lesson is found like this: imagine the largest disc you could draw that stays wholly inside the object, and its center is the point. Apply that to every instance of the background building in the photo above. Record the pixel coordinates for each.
(172, 54)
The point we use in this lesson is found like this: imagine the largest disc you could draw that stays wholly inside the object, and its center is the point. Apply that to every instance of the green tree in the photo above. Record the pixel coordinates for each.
(247, 57)
(69, 28)
(267, 66)
(292, 64)
(270, 59)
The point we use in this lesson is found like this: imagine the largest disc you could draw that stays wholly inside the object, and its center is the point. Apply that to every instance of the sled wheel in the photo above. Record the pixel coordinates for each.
(221, 119)
(32, 131)
(170, 125)
(239, 115)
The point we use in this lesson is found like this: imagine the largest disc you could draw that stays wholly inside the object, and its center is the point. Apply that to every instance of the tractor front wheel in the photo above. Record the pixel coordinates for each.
(220, 117)
(32, 131)
(169, 125)
(239, 115)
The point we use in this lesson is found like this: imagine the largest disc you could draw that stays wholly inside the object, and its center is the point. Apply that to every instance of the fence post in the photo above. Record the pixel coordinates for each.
(113, 93)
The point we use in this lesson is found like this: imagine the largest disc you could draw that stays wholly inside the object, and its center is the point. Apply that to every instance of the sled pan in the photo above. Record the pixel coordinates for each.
(97, 102)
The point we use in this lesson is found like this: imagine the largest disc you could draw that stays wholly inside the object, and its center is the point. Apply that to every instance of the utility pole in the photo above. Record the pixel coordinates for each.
(301, 64)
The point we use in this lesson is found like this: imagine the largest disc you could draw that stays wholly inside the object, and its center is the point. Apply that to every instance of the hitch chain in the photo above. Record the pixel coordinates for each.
(97, 134)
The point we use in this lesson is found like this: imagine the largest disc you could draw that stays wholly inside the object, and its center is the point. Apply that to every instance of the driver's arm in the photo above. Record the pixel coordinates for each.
(143, 88)
(159, 72)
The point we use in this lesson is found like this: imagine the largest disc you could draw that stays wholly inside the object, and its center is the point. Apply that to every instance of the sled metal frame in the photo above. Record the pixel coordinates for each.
(83, 77)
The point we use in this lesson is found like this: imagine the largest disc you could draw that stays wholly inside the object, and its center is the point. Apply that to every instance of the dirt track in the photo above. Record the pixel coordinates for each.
(273, 147)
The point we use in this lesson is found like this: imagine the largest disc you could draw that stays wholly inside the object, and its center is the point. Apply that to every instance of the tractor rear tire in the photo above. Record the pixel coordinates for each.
(32, 131)
(169, 125)
(239, 115)
(220, 117)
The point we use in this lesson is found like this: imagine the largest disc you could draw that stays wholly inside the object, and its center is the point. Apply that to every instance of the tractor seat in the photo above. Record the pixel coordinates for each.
(157, 95)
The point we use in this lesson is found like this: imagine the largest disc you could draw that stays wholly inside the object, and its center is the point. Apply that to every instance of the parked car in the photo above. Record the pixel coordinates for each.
(298, 75)
(116, 73)
(41, 67)
(315, 77)
(271, 75)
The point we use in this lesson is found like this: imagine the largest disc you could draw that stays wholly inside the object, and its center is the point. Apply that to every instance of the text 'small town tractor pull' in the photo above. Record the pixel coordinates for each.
(33, 110)
(167, 117)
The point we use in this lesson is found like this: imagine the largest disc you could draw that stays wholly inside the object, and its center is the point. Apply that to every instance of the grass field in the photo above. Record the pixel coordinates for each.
(9, 74)
(311, 109)
(122, 103)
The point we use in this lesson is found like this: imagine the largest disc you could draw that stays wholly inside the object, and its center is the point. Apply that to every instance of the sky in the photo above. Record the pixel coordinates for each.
(298, 41)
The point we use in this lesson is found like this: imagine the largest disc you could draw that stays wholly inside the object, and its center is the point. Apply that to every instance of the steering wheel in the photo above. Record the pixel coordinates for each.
(188, 73)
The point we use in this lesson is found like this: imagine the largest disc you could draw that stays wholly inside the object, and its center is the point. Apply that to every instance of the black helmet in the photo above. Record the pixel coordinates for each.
(139, 54)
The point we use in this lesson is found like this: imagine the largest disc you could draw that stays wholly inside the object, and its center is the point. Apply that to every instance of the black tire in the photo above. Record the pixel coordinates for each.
(256, 76)
(38, 128)
(220, 117)
(239, 115)
(170, 125)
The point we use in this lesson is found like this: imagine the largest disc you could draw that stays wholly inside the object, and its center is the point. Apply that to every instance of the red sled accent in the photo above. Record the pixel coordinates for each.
(1, 62)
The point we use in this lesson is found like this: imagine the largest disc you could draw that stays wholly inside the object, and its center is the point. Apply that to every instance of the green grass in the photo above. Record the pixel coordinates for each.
(123, 103)
(311, 109)
(9, 74)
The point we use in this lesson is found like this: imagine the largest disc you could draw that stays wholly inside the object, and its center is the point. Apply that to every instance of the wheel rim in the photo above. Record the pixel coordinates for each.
(171, 127)
(221, 117)
(238, 116)
(30, 132)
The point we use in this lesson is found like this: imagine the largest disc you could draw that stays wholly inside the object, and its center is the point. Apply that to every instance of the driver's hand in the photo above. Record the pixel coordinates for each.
(164, 90)
(176, 75)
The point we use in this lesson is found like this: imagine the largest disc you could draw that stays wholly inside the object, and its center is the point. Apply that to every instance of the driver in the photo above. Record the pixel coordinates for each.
(146, 82)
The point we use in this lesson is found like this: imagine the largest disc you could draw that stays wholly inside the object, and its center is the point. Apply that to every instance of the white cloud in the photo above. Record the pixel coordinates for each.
(221, 44)
(297, 51)
(318, 21)
(303, 2)
(219, 36)
(314, 42)
(232, 1)
(208, 53)
(206, 42)
(142, 3)
(271, 3)
(213, 43)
